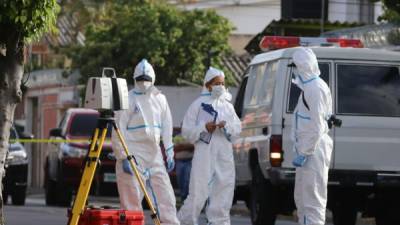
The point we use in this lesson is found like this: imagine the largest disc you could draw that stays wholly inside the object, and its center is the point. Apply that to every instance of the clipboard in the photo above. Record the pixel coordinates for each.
(206, 114)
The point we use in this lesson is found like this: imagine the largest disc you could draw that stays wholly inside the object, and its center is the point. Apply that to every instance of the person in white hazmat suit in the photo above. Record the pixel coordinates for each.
(312, 144)
(147, 119)
(212, 177)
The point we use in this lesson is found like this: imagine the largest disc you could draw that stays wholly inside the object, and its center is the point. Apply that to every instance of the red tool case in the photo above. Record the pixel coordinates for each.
(111, 217)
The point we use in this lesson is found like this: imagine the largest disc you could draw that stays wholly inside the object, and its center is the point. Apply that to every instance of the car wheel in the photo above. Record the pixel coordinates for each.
(18, 196)
(64, 194)
(64, 197)
(64, 191)
(261, 203)
(50, 190)
(387, 207)
(344, 208)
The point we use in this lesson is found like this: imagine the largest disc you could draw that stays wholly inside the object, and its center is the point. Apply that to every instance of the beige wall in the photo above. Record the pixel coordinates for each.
(238, 42)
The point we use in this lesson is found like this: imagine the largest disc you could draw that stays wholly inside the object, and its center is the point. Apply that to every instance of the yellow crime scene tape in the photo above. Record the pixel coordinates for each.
(50, 140)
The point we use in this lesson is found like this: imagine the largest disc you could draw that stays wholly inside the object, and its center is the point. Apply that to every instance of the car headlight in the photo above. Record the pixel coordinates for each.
(73, 152)
(17, 156)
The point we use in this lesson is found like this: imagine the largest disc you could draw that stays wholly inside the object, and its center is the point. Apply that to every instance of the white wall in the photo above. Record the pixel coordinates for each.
(344, 11)
(251, 19)
(248, 16)
(180, 98)
(378, 10)
(350, 10)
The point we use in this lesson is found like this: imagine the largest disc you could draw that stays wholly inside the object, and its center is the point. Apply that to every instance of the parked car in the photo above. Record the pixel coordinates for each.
(365, 166)
(65, 161)
(16, 169)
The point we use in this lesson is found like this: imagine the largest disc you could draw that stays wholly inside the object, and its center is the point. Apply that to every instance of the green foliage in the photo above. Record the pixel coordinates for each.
(394, 37)
(391, 11)
(175, 42)
(28, 18)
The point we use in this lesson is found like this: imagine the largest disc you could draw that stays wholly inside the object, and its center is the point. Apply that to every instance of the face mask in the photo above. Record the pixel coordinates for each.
(217, 91)
(143, 85)
(296, 79)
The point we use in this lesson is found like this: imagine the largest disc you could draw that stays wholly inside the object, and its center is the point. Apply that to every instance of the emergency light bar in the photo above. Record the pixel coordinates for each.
(268, 43)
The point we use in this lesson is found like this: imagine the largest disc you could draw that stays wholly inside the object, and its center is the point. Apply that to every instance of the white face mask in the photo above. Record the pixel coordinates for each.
(143, 85)
(296, 79)
(217, 91)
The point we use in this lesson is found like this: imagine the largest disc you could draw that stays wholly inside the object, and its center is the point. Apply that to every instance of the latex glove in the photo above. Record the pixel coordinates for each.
(170, 159)
(170, 164)
(299, 160)
(126, 167)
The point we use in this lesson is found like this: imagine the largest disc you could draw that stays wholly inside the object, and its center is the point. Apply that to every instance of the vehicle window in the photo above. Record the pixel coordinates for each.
(253, 84)
(83, 125)
(266, 90)
(13, 134)
(62, 121)
(370, 90)
(294, 91)
(240, 97)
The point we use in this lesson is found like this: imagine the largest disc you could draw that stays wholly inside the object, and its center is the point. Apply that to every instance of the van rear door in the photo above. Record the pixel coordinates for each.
(367, 99)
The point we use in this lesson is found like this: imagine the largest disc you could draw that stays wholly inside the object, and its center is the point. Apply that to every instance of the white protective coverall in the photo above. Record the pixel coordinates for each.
(311, 139)
(147, 119)
(212, 177)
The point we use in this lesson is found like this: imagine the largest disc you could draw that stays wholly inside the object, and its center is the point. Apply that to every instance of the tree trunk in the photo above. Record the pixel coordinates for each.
(11, 71)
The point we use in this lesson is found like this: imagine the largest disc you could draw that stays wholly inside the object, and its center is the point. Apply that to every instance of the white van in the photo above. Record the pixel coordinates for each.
(365, 168)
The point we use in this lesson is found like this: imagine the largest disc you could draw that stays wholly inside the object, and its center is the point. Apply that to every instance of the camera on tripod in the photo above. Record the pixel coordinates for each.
(333, 121)
(107, 93)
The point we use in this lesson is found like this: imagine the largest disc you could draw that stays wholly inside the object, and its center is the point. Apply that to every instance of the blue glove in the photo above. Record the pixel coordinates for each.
(126, 167)
(299, 160)
(170, 159)
(170, 164)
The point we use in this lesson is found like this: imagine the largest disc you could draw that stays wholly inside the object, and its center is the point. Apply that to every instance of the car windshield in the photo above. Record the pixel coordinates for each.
(83, 125)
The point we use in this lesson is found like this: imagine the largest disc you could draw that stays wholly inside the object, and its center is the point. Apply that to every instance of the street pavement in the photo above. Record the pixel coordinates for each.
(35, 212)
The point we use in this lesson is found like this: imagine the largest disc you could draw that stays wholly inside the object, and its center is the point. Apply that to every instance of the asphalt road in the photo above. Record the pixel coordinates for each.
(35, 212)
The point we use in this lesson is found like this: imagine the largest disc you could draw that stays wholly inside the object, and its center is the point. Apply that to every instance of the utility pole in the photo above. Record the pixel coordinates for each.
(322, 16)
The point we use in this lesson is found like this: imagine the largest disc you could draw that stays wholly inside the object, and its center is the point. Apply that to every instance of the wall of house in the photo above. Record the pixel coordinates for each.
(251, 19)
(360, 11)
(237, 42)
(247, 16)
(44, 107)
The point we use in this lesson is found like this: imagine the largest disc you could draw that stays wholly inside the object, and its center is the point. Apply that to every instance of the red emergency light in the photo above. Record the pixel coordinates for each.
(278, 42)
(268, 43)
(354, 43)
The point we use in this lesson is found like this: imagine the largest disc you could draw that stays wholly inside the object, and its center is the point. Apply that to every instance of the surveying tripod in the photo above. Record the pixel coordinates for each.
(106, 118)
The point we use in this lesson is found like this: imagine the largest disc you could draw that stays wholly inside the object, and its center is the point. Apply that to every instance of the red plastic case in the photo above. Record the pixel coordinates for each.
(111, 217)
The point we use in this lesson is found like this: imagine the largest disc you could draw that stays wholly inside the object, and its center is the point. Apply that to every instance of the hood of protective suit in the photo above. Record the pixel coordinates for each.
(144, 68)
(306, 66)
(211, 74)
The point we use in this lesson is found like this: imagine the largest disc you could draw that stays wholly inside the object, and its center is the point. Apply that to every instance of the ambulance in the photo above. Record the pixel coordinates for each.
(364, 176)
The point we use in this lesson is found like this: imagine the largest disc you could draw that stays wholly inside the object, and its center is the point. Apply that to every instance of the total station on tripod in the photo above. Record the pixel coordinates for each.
(107, 93)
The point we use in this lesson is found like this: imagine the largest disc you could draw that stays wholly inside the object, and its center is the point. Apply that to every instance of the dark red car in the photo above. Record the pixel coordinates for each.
(64, 161)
